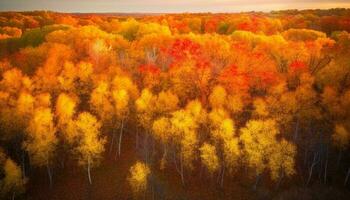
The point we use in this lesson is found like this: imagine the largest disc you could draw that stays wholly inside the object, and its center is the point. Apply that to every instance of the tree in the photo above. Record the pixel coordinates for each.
(145, 108)
(100, 101)
(138, 178)
(123, 92)
(184, 129)
(90, 143)
(161, 130)
(121, 99)
(282, 161)
(65, 110)
(231, 153)
(145, 111)
(209, 157)
(41, 140)
(341, 140)
(259, 146)
(341, 137)
(11, 182)
(217, 97)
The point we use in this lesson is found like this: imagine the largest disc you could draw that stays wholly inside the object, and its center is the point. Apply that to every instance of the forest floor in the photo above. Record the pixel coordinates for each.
(110, 183)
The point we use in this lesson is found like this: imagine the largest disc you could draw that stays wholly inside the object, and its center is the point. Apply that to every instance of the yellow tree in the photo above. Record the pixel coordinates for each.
(41, 140)
(259, 139)
(101, 105)
(282, 161)
(145, 108)
(90, 143)
(124, 91)
(209, 157)
(145, 111)
(138, 178)
(184, 134)
(341, 140)
(341, 137)
(25, 106)
(100, 102)
(12, 182)
(121, 99)
(221, 99)
(222, 132)
(218, 97)
(232, 152)
(22, 114)
(161, 130)
(166, 102)
(65, 110)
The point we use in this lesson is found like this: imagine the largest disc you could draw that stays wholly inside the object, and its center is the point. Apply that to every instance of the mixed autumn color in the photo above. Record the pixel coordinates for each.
(252, 105)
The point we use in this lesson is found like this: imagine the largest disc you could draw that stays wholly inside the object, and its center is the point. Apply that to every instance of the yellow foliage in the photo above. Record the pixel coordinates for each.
(189, 144)
(181, 123)
(161, 129)
(43, 100)
(100, 101)
(196, 110)
(341, 137)
(25, 105)
(90, 143)
(152, 28)
(260, 106)
(11, 80)
(65, 108)
(225, 131)
(218, 97)
(209, 157)
(281, 161)
(145, 108)
(234, 103)
(258, 138)
(231, 153)
(41, 139)
(216, 116)
(84, 71)
(124, 83)
(13, 177)
(166, 102)
(138, 178)
(121, 103)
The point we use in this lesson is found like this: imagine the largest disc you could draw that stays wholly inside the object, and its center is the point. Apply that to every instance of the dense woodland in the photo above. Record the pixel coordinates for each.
(188, 106)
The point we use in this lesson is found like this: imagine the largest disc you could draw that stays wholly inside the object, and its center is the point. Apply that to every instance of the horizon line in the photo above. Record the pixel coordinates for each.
(184, 12)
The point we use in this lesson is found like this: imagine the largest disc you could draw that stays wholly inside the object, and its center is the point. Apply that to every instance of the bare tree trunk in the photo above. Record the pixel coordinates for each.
(347, 177)
(120, 138)
(146, 147)
(296, 130)
(112, 141)
(326, 168)
(257, 181)
(164, 157)
(182, 171)
(89, 175)
(49, 172)
(137, 138)
(222, 176)
(23, 165)
(280, 180)
(311, 169)
(339, 158)
(175, 163)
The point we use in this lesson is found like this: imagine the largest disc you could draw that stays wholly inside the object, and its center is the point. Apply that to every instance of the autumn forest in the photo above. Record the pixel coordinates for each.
(251, 105)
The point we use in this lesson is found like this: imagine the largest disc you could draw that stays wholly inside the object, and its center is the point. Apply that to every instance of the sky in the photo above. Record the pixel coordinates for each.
(168, 6)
